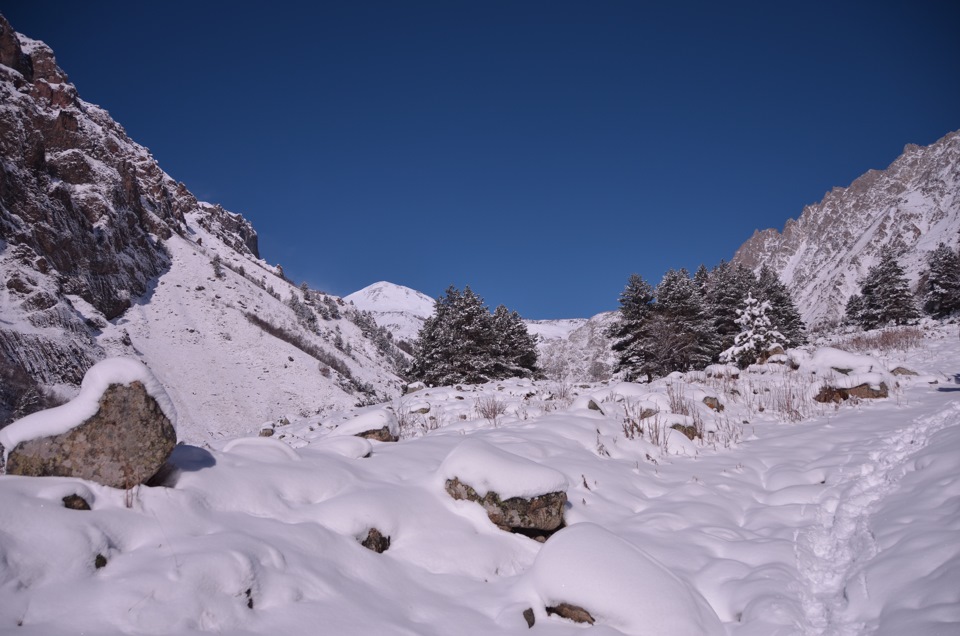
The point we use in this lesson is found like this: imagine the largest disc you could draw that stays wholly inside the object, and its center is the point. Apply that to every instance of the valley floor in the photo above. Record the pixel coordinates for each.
(843, 524)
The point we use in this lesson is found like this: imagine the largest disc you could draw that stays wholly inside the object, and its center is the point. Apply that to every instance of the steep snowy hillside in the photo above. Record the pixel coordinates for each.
(399, 309)
(913, 205)
(103, 253)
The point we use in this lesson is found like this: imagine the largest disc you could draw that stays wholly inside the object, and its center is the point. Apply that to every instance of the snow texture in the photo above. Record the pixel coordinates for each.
(619, 584)
(486, 468)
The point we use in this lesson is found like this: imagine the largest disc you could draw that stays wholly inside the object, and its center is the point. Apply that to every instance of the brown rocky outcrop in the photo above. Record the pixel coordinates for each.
(537, 516)
(574, 613)
(124, 444)
(863, 391)
(379, 435)
(376, 541)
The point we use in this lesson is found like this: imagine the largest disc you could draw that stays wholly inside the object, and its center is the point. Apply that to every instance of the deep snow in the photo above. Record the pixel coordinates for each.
(842, 523)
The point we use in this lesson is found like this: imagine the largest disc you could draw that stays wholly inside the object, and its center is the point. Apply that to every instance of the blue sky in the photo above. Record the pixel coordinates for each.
(538, 151)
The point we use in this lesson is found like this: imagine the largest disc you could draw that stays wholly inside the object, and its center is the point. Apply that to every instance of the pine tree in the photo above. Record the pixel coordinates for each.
(463, 342)
(885, 295)
(728, 286)
(680, 336)
(783, 314)
(628, 332)
(942, 288)
(757, 335)
(702, 279)
(516, 350)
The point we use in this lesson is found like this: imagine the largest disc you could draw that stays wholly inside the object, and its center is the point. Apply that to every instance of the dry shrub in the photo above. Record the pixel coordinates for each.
(490, 408)
(891, 339)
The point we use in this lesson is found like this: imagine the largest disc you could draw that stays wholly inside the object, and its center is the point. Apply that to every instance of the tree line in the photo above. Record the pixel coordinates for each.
(727, 314)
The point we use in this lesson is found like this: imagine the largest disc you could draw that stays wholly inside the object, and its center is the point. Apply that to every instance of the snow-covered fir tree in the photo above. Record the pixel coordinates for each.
(757, 335)
(884, 297)
(942, 282)
(727, 287)
(628, 332)
(783, 314)
(462, 342)
(679, 335)
(516, 349)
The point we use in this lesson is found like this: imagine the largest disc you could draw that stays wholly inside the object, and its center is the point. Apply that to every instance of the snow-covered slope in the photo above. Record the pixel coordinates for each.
(841, 522)
(912, 206)
(399, 309)
(575, 350)
(103, 253)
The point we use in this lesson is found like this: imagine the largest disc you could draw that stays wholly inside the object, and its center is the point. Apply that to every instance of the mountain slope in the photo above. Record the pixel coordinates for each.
(912, 206)
(104, 254)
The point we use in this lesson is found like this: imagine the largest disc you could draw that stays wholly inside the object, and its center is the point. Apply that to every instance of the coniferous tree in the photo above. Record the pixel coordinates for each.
(516, 349)
(728, 287)
(680, 335)
(942, 287)
(884, 296)
(629, 331)
(783, 314)
(757, 334)
(463, 342)
(702, 279)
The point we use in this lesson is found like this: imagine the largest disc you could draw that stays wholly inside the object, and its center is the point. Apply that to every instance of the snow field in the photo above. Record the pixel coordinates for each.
(839, 524)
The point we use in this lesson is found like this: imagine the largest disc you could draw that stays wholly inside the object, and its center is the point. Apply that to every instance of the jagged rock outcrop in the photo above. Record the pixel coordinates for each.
(912, 205)
(536, 516)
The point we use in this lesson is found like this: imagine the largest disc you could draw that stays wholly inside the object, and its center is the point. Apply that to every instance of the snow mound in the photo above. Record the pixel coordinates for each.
(99, 377)
(486, 468)
(619, 584)
(827, 359)
(372, 420)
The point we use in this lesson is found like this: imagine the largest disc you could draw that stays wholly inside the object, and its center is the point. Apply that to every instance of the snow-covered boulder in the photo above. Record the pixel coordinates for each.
(517, 494)
(118, 431)
(861, 385)
(619, 585)
(379, 424)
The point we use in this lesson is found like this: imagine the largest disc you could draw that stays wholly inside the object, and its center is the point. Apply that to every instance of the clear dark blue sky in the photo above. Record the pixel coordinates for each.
(537, 151)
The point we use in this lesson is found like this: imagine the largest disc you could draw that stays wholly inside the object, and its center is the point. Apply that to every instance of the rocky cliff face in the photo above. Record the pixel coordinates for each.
(101, 252)
(912, 205)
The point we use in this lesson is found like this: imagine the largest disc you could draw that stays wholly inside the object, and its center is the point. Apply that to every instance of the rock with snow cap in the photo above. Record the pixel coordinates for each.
(118, 431)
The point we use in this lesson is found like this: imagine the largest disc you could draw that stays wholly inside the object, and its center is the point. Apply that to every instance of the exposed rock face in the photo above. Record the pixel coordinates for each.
(376, 541)
(911, 206)
(863, 391)
(541, 514)
(903, 371)
(574, 613)
(713, 402)
(379, 434)
(124, 444)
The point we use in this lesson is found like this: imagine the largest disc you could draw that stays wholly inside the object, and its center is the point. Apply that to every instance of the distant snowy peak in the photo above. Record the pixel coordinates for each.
(912, 206)
(399, 309)
(384, 297)
(554, 329)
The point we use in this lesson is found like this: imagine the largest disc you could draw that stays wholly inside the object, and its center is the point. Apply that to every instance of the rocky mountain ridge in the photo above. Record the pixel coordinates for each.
(911, 206)
(103, 253)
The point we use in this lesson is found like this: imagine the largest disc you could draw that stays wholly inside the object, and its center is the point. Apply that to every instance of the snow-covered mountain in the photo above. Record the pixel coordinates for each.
(399, 309)
(575, 350)
(102, 253)
(912, 206)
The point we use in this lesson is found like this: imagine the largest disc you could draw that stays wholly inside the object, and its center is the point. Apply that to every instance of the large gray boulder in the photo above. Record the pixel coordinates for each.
(123, 442)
